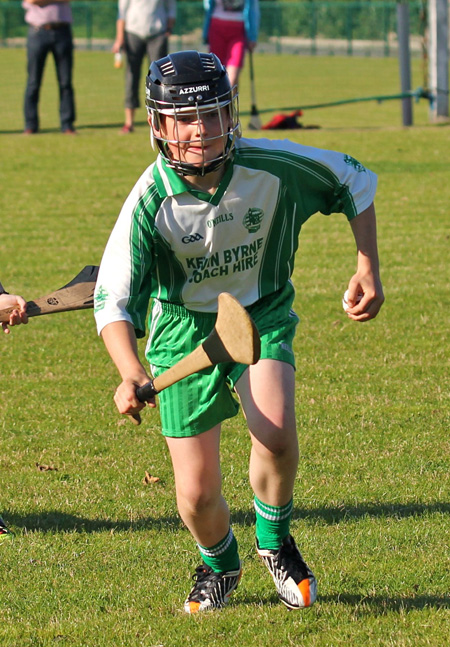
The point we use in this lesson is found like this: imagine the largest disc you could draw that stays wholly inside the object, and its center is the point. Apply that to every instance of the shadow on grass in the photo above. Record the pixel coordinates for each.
(55, 521)
(338, 514)
(381, 604)
(363, 604)
(80, 128)
(335, 515)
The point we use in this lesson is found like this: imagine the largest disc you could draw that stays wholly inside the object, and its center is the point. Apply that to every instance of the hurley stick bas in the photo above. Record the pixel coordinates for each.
(78, 294)
(234, 338)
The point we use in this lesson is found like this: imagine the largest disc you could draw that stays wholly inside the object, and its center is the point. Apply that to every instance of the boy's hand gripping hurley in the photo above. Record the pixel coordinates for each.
(76, 295)
(233, 339)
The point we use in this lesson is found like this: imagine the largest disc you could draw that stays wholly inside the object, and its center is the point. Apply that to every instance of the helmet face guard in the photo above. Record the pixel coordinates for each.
(196, 84)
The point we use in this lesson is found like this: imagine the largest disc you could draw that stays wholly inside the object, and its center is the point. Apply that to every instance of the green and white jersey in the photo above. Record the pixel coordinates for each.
(176, 244)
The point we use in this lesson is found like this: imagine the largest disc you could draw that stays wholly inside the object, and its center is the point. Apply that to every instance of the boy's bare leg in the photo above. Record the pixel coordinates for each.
(198, 480)
(267, 395)
(266, 391)
(202, 507)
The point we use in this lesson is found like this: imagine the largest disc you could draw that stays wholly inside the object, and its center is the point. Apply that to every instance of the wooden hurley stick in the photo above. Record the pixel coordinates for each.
(76, 295)
(233, 339)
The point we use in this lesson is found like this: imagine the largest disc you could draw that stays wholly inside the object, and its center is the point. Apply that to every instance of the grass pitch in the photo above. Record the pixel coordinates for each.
(101, 558)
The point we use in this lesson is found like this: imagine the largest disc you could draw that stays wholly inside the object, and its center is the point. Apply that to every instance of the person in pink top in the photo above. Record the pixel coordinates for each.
(230, 28)
(49, 30)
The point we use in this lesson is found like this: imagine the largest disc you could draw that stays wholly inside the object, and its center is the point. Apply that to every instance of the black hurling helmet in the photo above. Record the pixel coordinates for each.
(191, 82)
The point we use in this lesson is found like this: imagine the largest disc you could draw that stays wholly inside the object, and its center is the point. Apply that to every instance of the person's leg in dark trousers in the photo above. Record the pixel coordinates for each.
(38, 46)
(157, 47)
(135, 52)
(63, 54)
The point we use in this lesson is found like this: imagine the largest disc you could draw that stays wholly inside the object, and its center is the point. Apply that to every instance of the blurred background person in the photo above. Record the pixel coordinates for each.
(143, 28)
(230, 28)
(49, 30)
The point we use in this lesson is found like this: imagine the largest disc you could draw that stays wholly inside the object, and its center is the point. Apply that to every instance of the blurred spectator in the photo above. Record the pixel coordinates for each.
(50, 30)
(143, 28)
(231, 27)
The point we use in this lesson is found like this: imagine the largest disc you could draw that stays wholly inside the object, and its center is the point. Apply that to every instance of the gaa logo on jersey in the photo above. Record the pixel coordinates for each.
(252, 219)
(191, 238)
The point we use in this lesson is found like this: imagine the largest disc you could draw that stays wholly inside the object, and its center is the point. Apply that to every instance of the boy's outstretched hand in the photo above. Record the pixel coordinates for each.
(18, 315)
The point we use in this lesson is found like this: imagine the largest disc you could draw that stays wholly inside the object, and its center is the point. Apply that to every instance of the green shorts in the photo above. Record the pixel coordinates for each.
(203, 400)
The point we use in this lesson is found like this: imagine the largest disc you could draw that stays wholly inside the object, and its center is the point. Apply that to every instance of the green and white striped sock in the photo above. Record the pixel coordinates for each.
(223, 556)
(272, 523)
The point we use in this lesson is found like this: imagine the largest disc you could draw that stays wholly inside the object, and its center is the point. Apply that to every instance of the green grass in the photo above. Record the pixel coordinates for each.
(100, 558)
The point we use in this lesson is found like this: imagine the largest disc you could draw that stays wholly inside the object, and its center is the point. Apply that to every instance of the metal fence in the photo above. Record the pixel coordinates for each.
(311, 27)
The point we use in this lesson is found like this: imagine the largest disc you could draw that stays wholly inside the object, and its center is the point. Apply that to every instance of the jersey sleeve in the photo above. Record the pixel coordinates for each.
(354, 188)
(124, 281)
(344, 185)
(318, 180)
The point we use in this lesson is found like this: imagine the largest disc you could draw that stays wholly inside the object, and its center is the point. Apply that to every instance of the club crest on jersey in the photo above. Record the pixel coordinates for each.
(252, 219)
(101, 297)
(348, 159)
(194, 88)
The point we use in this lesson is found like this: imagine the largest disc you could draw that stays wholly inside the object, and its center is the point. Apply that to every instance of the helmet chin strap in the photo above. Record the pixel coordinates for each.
(190, 169)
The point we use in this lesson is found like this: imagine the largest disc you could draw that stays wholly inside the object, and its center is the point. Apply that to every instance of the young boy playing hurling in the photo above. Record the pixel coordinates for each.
(219, 213)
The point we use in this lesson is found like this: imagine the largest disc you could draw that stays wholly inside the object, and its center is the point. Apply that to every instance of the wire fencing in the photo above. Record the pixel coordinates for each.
(313, 27)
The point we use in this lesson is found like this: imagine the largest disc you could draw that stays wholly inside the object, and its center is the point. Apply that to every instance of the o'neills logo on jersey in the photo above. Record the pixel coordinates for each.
(224, 217)
(194, 88)
(252, 219)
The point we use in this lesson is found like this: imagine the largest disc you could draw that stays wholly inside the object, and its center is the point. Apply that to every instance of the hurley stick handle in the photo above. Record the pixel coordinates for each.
(144, 393)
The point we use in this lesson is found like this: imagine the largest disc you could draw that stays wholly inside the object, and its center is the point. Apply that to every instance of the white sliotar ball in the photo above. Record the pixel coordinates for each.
(345, 300)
